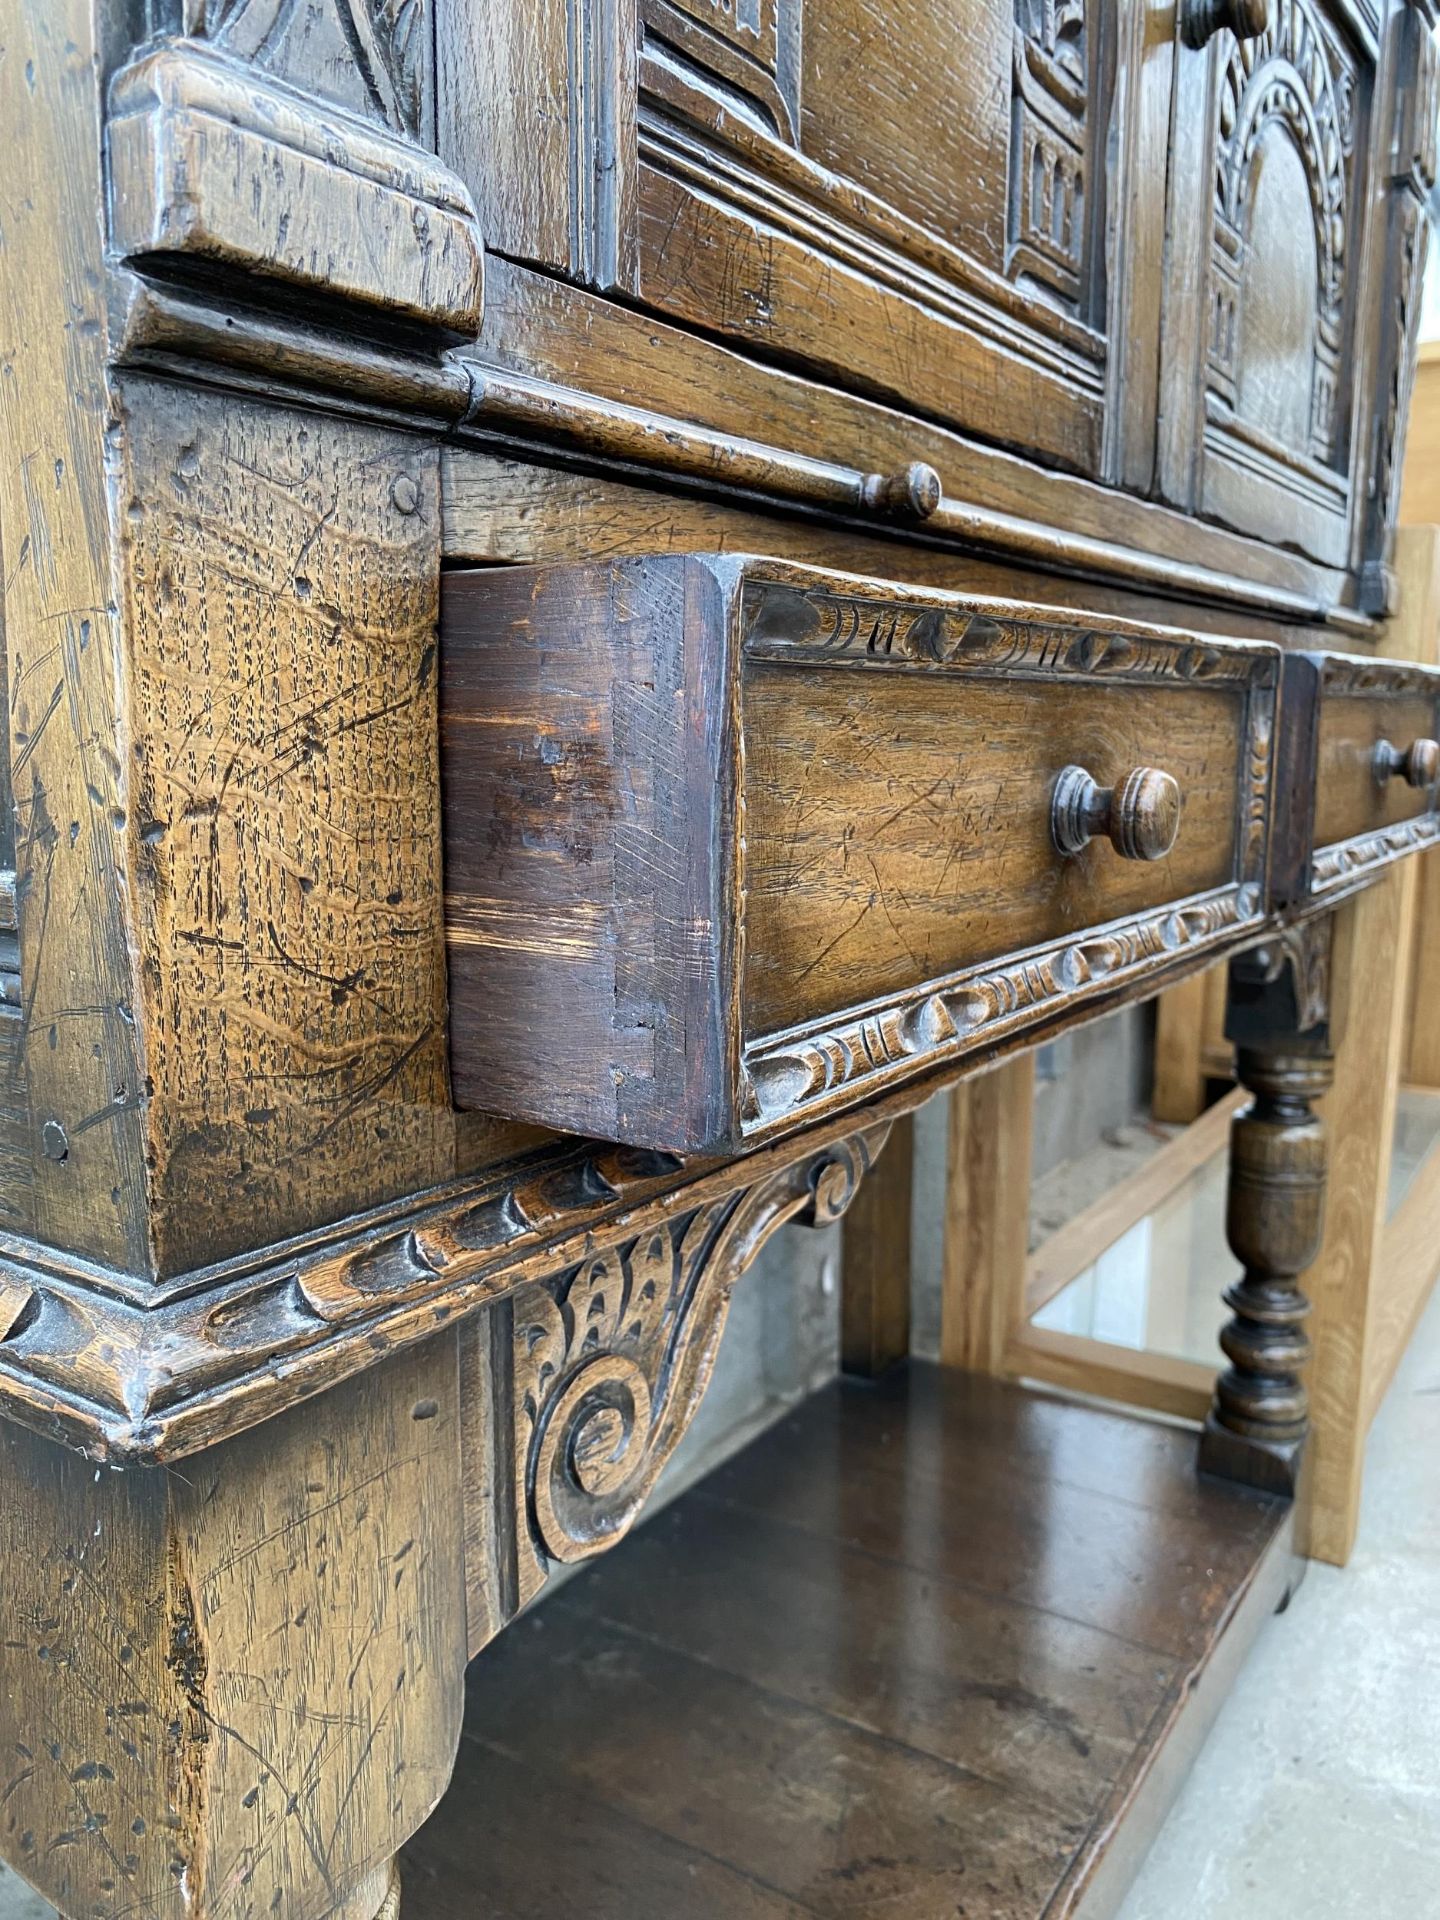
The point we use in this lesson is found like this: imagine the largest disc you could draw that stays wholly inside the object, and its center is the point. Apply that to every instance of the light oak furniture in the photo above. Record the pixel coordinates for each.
(598, 599)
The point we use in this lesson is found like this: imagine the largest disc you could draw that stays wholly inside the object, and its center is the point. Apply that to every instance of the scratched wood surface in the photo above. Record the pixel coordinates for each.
(912, 801)
(236, 1690)
(917, 1649)
(283, 833)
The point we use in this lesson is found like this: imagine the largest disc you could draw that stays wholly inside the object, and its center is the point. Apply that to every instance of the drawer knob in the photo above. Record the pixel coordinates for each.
(1140, 817)
(1201, 20)
(1418, 764)
(914, 493)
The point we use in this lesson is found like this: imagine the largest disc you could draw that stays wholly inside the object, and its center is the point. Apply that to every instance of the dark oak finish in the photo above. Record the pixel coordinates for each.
(709, 823)
(992, 1625)
(1275, 1211)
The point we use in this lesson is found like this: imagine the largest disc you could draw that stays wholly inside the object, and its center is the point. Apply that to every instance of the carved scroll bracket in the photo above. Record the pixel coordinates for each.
(612, 1357)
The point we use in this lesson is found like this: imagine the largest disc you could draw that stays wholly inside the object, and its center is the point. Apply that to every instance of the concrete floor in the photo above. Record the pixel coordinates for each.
(1317, 1796)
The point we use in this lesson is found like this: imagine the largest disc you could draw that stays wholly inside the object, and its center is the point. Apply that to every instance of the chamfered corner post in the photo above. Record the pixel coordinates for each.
(231, 1687)
(1275, 1211)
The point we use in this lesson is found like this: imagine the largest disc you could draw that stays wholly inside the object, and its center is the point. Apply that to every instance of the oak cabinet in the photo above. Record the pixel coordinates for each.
(1143, 246)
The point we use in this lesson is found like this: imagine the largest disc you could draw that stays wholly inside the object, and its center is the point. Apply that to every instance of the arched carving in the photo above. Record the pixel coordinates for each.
(1295, 75)
(612, 1356)
(373, 56)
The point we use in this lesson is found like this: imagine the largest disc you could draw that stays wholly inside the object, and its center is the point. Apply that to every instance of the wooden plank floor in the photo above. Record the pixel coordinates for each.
(932, 1647)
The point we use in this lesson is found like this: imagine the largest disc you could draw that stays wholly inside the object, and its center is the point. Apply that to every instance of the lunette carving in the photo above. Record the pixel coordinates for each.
(1296, 74)
(792, 1073)
(372, 56)
(612, 1356)
(91, 1358)
(1356, 675)
(782, 621)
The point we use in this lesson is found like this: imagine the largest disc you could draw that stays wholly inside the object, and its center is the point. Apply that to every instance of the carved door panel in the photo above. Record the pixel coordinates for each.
(906, 199)
(1272, 174)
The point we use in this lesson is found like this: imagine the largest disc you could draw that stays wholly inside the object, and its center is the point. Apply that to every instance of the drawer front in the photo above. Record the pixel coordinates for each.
(731, 843)
(1376, 757)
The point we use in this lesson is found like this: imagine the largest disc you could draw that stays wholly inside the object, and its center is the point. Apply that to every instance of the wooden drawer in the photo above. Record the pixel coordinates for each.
(1359, 762)
(731, 842)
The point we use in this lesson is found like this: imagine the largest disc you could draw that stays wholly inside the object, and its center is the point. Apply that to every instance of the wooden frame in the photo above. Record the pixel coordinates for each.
(993, 1289)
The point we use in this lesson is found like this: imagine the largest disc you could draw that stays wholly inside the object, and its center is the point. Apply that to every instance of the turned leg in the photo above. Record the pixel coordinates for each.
(232, 1688)
(1275, 1218)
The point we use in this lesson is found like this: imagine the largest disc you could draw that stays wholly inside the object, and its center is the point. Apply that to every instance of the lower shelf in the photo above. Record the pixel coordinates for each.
(932, 1647)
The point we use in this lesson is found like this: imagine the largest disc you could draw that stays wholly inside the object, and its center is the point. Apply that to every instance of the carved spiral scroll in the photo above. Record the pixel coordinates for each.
(612, 1357)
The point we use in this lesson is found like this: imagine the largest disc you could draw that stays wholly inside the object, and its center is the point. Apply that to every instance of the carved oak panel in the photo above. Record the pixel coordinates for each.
(906, 200)
(1271, 236)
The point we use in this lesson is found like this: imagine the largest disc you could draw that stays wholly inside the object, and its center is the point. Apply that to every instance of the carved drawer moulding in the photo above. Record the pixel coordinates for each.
(677, 1009)
(87, 1362)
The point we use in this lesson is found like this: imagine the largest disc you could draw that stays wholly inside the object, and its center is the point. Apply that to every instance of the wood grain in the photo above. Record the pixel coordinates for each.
(1368, 1000)
(78, 1054)
(280, 581)
(987, 1215)
(798, 945)
(766, 1716)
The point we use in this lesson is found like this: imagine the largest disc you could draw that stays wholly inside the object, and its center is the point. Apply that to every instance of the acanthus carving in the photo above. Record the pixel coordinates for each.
(1302, 950)
(612, 1356)
(792, 1072)
(1049, 145)
(1295, 74)
(90, 1359)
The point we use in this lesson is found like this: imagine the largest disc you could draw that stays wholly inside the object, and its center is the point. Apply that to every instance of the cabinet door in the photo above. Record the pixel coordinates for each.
(1271, 174)
(906, 199)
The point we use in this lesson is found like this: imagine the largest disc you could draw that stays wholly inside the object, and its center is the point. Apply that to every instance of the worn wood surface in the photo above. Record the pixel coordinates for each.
(919, 1647)
(77, 1065)
(280, 581)
(237, 1689)
(828, 832)
(907, 313)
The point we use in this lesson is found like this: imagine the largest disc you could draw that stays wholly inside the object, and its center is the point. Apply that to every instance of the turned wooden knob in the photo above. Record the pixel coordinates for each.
(912, 494)
(1418, 764)
(1140, 817)
(1201, 20)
